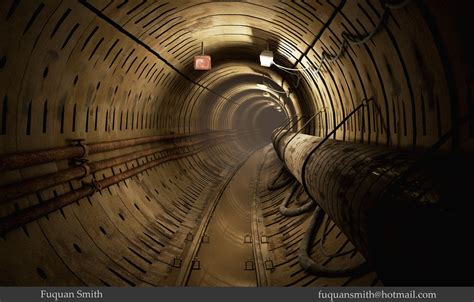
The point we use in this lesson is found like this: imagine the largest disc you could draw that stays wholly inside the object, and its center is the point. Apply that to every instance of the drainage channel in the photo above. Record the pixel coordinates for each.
(224, 253)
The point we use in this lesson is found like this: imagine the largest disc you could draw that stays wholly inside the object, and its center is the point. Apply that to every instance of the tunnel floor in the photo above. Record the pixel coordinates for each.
(225, 255)
(245, 241)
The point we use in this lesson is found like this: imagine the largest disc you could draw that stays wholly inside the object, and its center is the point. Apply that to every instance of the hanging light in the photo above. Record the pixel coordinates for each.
(266, 58)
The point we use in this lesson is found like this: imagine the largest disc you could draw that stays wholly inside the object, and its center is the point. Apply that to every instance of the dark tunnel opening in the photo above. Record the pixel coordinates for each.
(267, 120)
(338, 163)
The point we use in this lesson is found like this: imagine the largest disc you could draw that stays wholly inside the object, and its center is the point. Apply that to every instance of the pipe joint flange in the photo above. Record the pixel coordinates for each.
(79, 142)
(86, 150)
(84, 147)
(95, 185)
(80, 160)
(87, 169)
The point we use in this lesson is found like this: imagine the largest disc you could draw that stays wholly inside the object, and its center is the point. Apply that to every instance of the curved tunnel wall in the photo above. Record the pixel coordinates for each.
(62, 61)
(107, 70)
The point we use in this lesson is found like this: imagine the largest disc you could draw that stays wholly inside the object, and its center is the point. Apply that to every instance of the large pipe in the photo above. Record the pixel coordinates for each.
(396, 215)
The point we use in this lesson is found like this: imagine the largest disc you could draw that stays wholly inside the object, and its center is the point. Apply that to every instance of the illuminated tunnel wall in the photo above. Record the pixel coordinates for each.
(110, 70)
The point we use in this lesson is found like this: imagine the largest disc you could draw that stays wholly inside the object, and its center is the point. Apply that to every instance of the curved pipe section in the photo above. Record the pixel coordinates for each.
(314, 268)
(285, 211)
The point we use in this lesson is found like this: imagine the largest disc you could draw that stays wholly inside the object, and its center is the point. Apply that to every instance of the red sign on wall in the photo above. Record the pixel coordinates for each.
(202, 62)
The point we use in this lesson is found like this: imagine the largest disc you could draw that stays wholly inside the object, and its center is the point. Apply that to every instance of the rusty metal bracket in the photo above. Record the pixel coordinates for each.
(94, 184)
(79, 142)
(87, 169)
(80, 160)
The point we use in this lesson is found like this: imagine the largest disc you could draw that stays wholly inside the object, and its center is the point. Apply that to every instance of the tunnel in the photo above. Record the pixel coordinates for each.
(326, 143)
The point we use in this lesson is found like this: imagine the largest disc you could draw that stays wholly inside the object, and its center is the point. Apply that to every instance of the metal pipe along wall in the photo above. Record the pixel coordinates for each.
(382, 199)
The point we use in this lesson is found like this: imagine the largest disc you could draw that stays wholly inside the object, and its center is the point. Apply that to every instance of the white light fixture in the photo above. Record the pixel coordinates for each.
(266, 94)
(263, 86)
(266, 58)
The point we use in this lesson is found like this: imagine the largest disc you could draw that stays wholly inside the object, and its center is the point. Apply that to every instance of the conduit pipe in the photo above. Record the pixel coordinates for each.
(16, 190)
(33, 213)
(28, 159)
(289, 212)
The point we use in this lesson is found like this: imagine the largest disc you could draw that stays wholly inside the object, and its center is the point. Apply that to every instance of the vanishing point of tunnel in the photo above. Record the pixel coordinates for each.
(236, 143)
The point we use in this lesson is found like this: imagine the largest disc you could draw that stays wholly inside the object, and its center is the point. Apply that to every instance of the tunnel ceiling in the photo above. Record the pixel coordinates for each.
(84, 55)
(102, 71)
(102, 56)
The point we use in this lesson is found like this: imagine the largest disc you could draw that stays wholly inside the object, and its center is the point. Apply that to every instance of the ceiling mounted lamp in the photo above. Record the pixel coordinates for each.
(266, 58)
(266, 94)
(202, 62)
(262, 86)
